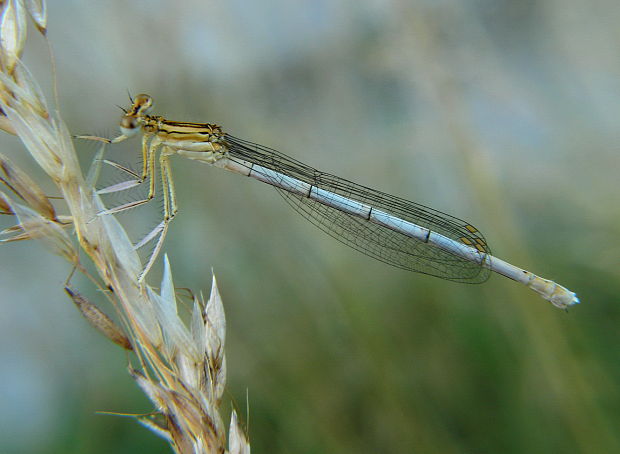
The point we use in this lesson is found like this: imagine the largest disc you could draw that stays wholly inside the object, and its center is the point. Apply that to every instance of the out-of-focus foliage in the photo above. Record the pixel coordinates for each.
(505, 113)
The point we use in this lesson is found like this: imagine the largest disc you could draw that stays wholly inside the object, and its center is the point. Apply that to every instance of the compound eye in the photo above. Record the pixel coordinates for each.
(143, 103)
(129, 125)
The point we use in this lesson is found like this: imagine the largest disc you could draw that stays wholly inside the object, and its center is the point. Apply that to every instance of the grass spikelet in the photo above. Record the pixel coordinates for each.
(99, 320)
(181, 368)
(25, 187)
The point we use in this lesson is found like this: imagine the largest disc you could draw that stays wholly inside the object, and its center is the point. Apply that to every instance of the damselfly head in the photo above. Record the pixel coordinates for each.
(135, 116)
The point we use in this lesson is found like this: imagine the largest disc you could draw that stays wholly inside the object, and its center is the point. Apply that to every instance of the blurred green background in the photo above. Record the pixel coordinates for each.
(502, 112)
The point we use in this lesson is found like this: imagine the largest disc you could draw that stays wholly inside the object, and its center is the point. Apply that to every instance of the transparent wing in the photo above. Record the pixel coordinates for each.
(372, 239)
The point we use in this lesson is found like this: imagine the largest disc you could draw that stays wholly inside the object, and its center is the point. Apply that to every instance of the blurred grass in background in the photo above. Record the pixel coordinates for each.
(505, 113)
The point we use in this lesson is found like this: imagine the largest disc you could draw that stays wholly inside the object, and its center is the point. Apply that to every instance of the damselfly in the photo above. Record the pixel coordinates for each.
(404, 234)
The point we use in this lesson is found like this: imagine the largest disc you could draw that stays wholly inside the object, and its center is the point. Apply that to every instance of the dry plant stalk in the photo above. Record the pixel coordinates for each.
(182, 369)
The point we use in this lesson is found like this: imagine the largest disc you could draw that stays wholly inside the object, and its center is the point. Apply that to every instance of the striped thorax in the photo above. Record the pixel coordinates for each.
(202, 141)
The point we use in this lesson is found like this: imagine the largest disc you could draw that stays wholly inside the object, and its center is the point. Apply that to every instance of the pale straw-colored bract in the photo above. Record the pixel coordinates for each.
(182, 369)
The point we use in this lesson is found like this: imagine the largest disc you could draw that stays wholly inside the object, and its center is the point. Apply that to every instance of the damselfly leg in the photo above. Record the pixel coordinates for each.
(151, 146)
